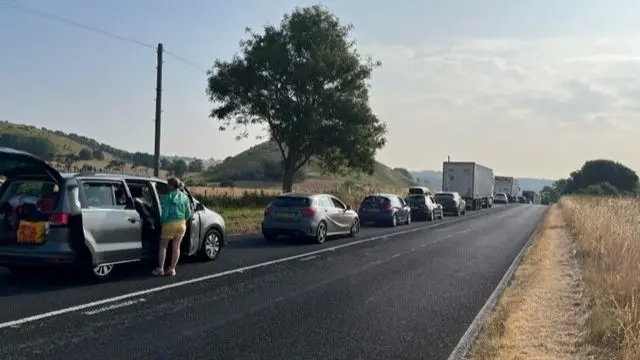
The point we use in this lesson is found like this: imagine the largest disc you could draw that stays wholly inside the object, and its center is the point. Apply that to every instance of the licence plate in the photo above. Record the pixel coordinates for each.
(286, 215)
(374, 210)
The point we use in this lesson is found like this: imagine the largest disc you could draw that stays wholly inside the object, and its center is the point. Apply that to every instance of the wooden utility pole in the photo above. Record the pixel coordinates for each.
(156, 152)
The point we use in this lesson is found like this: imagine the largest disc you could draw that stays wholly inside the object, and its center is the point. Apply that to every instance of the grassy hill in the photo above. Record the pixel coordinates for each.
(257, 167)
(63, 149)
(261, 164)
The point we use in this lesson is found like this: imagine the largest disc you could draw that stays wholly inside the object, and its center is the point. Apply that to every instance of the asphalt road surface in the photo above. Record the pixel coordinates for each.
(407, 296)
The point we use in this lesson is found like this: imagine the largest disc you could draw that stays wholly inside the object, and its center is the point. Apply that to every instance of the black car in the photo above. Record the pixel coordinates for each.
(424, 207)
(388, 209)
(452, 203)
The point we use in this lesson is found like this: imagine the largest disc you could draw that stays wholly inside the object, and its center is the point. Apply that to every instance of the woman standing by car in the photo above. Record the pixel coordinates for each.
(175, 211)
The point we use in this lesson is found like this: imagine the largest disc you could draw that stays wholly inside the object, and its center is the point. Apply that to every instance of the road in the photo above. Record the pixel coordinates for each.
(407, 296)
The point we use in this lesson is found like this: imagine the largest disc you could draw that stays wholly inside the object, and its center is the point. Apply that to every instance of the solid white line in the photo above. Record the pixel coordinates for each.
(113, 307)
(216, 275)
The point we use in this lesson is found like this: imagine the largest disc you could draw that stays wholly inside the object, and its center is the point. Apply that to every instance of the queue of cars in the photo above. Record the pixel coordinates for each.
(317, 216)
(94, 222)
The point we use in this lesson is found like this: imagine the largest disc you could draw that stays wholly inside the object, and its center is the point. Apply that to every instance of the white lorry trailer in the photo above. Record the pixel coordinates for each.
(472, 181)
(508, 185)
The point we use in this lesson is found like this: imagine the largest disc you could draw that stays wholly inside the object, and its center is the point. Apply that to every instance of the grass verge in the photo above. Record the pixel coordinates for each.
(242, 221)
(542, 314)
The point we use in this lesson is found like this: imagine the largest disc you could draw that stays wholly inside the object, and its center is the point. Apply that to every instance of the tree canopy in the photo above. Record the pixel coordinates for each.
(595, 177)
(305, 83)
(598, 173)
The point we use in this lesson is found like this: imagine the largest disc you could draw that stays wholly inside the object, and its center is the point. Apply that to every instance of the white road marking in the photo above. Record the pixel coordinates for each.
(309, 258)
(396, 255)
(214, 276)
(114, 306)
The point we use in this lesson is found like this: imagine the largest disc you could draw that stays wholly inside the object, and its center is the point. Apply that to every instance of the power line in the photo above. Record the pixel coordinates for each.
(36, 12)
(76, 24)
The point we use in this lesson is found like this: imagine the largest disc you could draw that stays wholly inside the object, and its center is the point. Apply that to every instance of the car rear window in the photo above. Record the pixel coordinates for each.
(291, 201)
(416, 199)
(444, 196)
(417, 191)
(375, 200)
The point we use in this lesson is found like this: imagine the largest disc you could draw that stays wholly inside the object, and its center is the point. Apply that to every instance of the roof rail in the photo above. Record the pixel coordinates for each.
(93, 173)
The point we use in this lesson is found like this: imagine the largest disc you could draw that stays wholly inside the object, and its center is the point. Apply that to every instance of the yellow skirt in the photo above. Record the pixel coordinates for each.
(174, 229)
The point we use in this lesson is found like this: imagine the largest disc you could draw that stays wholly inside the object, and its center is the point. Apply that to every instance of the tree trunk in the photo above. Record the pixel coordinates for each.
(287, 181)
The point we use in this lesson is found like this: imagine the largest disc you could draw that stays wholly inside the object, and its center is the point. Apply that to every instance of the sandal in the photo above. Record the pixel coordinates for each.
(158, 272)
(170, 273)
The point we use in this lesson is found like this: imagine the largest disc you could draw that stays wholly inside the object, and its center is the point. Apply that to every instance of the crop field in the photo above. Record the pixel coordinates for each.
(607, 232)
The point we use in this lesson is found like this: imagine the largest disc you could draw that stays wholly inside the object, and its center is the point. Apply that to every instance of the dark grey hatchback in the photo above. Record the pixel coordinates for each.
(386, 209)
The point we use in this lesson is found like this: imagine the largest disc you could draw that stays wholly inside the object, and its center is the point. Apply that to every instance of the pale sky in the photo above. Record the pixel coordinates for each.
(529, 88)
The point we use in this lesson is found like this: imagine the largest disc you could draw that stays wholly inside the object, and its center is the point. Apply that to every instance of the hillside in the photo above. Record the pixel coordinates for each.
(72, 151)
(261, 163)
(433, 179)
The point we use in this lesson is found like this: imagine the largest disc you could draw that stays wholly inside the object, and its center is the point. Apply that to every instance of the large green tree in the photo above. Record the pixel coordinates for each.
(306, 84)
(599, 173)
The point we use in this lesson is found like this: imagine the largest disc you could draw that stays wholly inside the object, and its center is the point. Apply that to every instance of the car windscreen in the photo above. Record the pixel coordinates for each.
(374, 201)
(291, 201)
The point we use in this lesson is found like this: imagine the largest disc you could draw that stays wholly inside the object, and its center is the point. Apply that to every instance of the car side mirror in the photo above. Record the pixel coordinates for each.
(199, 207)
(349, 207)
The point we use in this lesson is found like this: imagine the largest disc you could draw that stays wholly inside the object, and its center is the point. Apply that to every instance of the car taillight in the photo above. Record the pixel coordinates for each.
(308, 212)
(58, 219)
(267, 211)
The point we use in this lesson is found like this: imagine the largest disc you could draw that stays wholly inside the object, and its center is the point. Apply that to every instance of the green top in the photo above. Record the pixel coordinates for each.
(174, 206)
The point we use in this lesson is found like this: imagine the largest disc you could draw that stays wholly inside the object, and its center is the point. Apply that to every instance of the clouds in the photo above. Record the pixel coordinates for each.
(567, 89)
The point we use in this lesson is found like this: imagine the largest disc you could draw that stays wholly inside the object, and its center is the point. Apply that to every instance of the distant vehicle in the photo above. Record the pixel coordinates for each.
(314, 216)
(419, 190)
(451, 202)
(501, 198)
(388, 209)
(472, 181)
(508, 185)
(521, 200)
(89, 221)
(424, 207)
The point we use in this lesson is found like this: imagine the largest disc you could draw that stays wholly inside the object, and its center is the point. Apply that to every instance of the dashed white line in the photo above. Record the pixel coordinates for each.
(114, 306)
(309, 258)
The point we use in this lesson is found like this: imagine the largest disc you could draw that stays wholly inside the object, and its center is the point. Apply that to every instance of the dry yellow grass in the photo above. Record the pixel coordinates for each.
(576, 294)
(607, 231)
(542, 314)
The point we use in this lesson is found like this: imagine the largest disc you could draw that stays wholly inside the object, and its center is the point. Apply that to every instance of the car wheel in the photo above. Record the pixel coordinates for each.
(394, 220)
(211, 245)
(101, 272)
(321, 233)
(355, 228)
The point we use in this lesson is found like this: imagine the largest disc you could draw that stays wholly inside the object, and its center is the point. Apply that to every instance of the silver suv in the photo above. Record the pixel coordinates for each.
(93, 221)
